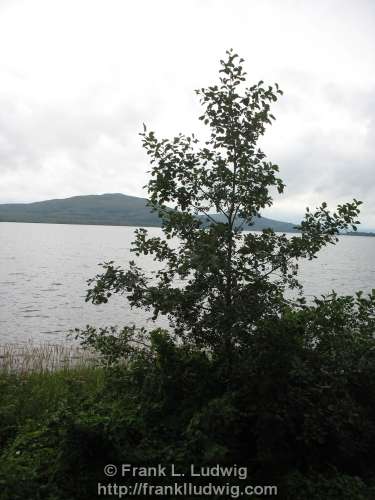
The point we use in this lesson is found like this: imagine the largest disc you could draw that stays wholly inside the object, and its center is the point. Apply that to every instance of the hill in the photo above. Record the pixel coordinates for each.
(106, 209)
(114, 209)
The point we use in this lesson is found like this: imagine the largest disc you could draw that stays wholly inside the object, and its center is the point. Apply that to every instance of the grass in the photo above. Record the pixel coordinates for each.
(40, 358)
(34, 396)
(36, 379)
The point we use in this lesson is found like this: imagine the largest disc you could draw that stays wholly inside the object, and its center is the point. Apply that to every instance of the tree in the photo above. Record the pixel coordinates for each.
(218, 282)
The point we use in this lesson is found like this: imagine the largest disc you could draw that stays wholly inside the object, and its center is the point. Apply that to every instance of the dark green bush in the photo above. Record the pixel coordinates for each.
(297, 410)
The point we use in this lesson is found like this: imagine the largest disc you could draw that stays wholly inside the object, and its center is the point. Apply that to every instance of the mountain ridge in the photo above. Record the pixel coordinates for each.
(105, 209)
(112, 209)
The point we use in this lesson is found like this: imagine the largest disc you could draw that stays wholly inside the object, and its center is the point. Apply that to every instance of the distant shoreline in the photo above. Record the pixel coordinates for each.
(108, 224)
(118, 210)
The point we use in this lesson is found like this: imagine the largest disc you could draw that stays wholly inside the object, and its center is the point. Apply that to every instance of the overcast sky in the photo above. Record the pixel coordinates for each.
(78, 78)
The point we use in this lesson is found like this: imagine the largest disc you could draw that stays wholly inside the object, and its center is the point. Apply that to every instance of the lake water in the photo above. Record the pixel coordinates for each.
(44, 269)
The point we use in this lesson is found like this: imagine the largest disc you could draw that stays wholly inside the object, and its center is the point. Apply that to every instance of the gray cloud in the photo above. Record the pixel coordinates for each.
(324, 145)
(78, 78)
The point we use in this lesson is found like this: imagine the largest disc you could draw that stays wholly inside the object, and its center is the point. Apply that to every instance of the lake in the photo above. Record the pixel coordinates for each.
(44, 269)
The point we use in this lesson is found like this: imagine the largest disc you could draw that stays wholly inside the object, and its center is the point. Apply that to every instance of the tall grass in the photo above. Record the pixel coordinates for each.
(30, 357)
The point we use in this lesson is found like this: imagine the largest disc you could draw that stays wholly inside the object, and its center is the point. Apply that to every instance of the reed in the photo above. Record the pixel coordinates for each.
(31, 357)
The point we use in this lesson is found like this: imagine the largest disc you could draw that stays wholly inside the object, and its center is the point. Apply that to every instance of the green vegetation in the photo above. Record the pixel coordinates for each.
(299, 412)
(245, 375)
(41, 416)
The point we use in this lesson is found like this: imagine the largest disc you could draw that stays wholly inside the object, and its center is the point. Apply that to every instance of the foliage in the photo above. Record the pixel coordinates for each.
(39, 417)
(334, 486)
(112, 345)
(299, 412)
